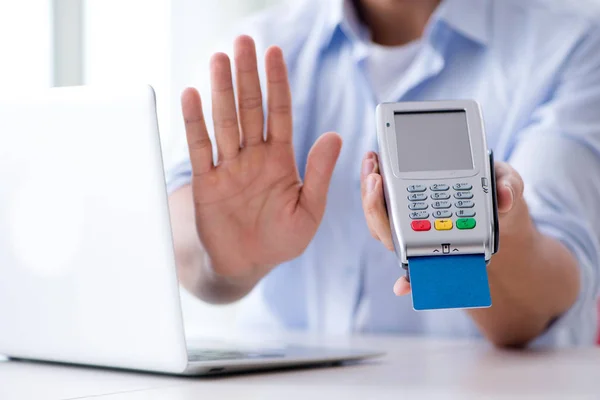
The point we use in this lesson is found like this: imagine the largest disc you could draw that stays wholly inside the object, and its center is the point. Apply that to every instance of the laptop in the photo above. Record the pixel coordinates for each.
(87, 266)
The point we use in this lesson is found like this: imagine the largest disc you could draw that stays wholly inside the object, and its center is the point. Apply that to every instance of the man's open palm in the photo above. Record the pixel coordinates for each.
(252, 210)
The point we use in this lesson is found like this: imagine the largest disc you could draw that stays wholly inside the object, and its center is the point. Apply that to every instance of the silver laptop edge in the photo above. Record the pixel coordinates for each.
(87, 270)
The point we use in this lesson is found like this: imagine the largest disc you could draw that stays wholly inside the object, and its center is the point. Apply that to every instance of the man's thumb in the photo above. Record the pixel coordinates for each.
(319, 169)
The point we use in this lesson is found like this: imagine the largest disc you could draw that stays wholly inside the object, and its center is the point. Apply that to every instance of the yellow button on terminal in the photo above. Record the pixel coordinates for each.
(443, 224)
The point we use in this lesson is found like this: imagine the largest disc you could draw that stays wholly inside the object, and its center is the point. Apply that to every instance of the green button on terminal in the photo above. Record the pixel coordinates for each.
(465, 223)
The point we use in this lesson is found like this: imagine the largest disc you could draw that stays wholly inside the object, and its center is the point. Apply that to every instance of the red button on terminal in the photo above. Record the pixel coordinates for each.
(421, 226)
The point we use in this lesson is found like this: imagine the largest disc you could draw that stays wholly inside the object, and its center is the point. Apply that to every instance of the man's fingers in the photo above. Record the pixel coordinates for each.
(199, 144)
(224, 110)
(509, 185)
(319, 169)
(369, 166)
(365, 171)
(279, 116)
(375, 211)
(249, 91)
(402, 287)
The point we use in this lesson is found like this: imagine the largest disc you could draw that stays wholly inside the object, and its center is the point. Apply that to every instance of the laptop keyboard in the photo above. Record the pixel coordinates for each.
(219, 355)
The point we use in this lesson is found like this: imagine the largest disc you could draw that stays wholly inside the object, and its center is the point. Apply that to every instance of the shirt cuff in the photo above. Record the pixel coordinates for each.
(178, 176)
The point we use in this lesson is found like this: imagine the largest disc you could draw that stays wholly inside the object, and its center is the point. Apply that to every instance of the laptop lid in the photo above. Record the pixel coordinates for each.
(87, 271)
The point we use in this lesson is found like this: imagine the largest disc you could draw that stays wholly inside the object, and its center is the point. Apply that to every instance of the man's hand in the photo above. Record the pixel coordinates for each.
(533, 278)
(511, 205)
(252, 211)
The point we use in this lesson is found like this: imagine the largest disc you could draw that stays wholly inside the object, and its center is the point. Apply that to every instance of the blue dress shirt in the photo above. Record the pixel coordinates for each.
(534, 66)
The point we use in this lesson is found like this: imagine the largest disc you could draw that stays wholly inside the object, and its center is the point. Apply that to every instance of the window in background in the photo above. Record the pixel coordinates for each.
(68, 42)
(125, 43)
(25, 45)
(161, 42)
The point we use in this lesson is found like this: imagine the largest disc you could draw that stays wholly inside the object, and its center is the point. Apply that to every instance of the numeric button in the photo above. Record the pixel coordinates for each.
(441, 204)
(440, 196)
(442, 214)
(418, 206)
(419, 215)
(439, 187)
(417, 197)
(462, 186)
(463, 213)
(416, 188)
(465, 204)
(463, 195)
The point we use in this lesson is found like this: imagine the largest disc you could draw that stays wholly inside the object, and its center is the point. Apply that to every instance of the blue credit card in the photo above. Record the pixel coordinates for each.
(449, 282)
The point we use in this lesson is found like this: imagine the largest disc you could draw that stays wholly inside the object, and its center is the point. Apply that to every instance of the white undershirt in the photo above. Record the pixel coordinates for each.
(386, 66)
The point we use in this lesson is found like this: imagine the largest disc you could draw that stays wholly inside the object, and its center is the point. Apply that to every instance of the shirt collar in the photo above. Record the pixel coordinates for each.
(342, 16)
(469, 18)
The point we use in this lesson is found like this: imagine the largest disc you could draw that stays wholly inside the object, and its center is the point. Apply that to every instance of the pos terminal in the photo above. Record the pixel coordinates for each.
(440, 192)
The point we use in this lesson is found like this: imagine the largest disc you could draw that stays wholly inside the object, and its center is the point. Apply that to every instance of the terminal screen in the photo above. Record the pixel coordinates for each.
(433, 141)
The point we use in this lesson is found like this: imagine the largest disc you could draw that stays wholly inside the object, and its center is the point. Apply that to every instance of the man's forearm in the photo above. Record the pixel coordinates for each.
(193, 267)
(533, 280)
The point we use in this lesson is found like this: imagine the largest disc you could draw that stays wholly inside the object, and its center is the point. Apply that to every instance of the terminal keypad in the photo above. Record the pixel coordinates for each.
(446, 201)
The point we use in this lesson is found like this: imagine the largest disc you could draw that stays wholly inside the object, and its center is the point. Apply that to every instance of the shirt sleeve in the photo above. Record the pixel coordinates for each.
(558, 156)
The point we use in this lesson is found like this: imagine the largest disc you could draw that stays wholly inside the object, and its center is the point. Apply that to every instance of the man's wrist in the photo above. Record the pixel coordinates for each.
(220, 288)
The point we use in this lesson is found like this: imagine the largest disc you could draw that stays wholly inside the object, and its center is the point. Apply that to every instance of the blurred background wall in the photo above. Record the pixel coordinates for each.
(165, 43)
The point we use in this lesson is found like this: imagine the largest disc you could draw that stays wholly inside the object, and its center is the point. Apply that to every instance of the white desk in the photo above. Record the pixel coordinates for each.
(412, 369)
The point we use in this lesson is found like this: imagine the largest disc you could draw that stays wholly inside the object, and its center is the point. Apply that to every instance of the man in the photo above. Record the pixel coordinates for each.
(285, 214)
